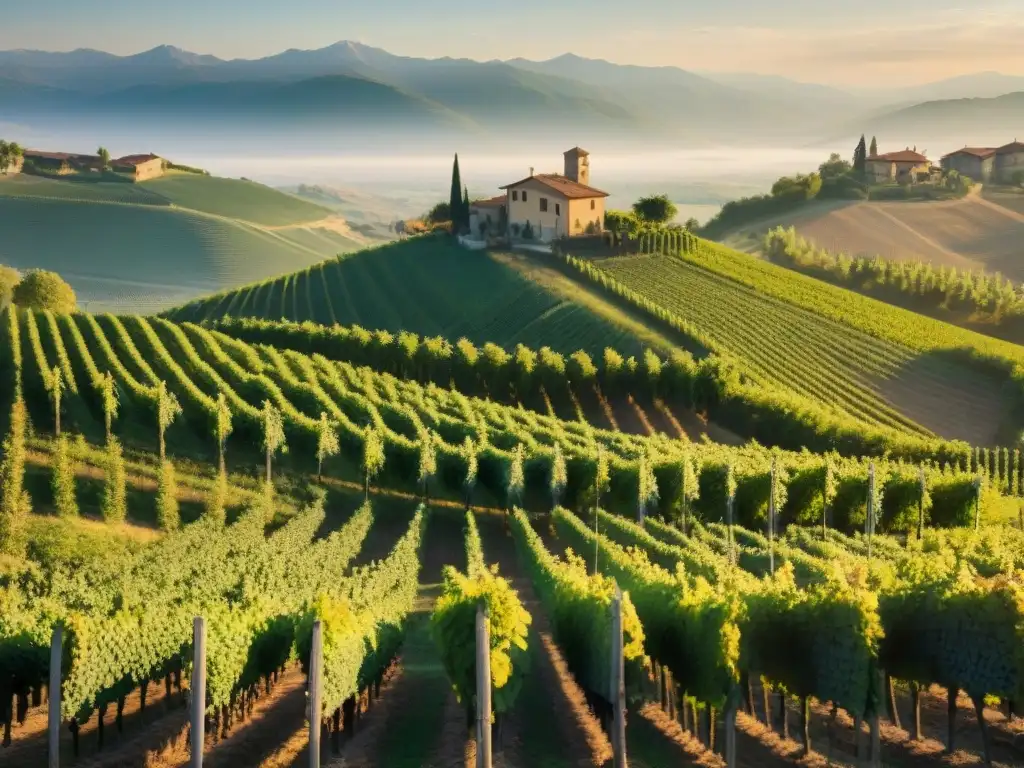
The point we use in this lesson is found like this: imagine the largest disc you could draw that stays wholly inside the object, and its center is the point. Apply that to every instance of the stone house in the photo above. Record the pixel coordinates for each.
(61, 163)
(140, 167)
(977, 163)
(1009, 162)
(488, 217)
(902, 166)
(556, 205)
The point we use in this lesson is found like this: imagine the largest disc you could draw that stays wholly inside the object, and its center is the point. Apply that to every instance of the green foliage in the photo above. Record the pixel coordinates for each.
(167, 515)
(39, 289)
(327, 441)
(223, 426)
(455, 199)
(516, 477)
(860, 156)
(217, 500)
(373, 454)
(621, 222)
(558, 476)
(453, 624)
(15, 504)
(114, 504)
(656, 209)
(63, 481)
(167, 410)
(9, 278)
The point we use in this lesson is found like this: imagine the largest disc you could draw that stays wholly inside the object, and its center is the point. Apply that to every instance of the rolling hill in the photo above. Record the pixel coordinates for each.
(145, 247)
(980, 231)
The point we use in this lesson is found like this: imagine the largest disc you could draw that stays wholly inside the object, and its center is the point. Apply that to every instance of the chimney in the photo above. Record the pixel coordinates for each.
(531, 171)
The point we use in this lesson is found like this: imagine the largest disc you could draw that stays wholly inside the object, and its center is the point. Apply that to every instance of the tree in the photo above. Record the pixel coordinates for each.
(63, 479)
(273, 434)
(691, 225)
(44, 290)
(107, 388)
(114, 505)
(860, 156)
(167, 410)
(428, 459)
(647, 485)
(873, 151)
(15, 503)
(559, 477)
(469, 482)
(104, 157)
(834, 167)
(455, 198)
(56, 382)
(223, 426)
(656, 209)
(217, 501)
(9, 278)
(373, 455)
(439, 213)
(326, 443)
(830, 487)
(516, 477)
(690, 483)
(167, 514)
(464, 211)
(5, 156)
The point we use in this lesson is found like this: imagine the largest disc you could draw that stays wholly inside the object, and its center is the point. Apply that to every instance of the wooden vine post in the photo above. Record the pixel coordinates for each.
(198, 692)
(875, 728)
(618, 685)
(316, 666)
(54, 696)
(483, 687)
(730, 727)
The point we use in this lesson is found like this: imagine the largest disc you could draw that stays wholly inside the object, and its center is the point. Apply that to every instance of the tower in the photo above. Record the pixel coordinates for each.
(577, 165)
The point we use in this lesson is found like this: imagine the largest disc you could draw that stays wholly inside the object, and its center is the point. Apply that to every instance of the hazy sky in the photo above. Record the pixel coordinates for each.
(844, 42)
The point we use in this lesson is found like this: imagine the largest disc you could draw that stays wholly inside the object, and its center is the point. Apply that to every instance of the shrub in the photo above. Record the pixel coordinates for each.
(63, 480)
(115, 491)
(167, 515)
(9, 279)
(42, 290)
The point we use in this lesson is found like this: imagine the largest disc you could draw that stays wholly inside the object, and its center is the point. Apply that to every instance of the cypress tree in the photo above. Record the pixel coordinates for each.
(860, 156)
(15, 503)
(455, 198)
(874, 147)
(63, 480)
(167, 515)
(464, 212)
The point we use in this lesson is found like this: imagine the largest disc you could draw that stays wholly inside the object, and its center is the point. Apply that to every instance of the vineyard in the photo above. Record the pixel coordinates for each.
(425, 285)
(827, 635)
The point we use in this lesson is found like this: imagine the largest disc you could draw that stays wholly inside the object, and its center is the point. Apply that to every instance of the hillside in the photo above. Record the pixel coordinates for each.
(426, 285)
(145, 247)
(876, 362)
(998, 115)
(980, 231)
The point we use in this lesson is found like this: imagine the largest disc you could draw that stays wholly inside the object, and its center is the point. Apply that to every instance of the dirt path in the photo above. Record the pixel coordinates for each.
(550, 724)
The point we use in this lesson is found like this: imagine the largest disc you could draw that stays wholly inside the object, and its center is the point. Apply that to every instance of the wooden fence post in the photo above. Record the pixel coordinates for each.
(730, 728)
(483, 687)
(876, 734)
(316, 666)
(54, 696)
(618, 687)
(198, 692)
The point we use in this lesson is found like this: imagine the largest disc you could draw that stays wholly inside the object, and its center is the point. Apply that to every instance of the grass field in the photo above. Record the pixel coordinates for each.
(429, 286)
(78, 189)
(235, 199)
(980, 231)
(146, 258)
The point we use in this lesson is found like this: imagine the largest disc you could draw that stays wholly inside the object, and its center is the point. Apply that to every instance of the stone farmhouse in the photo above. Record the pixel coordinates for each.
(1003, 164)
(902, 166)
(136, 167)
(544, 206)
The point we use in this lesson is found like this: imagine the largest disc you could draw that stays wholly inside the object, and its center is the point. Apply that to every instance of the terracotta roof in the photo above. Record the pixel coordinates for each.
(1010, 149)
(491, 202)
(577, 150)
(903, 156)
(980, 152)
(134, 159)
(565, 187)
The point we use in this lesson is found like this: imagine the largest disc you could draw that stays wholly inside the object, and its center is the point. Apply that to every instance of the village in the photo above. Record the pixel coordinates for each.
(142, 167)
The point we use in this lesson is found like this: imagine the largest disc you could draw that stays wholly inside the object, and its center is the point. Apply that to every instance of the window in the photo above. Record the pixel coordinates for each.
(543, 205)
(593, 204)
(558, 209)
(515, 195)
(524, 195)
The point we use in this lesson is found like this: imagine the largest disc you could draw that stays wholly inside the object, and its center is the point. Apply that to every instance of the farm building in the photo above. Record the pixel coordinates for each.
(487, 217)
(903, 165)
(1009, 163)
(61, 163)
(551, 205)
(974, 162)
(140, 167)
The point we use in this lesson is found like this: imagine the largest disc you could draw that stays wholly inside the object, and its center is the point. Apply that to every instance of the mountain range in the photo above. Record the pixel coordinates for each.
(354, 84)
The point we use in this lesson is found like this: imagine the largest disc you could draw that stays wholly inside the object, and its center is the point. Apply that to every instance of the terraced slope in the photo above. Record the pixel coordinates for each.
(425, 285)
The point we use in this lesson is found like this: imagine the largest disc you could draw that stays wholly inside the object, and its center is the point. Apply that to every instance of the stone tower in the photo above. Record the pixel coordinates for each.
(577, 165)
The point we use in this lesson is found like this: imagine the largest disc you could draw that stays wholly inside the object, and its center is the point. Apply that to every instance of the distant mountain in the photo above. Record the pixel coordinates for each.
(968, 121)
(980, 85)
(776, 86)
